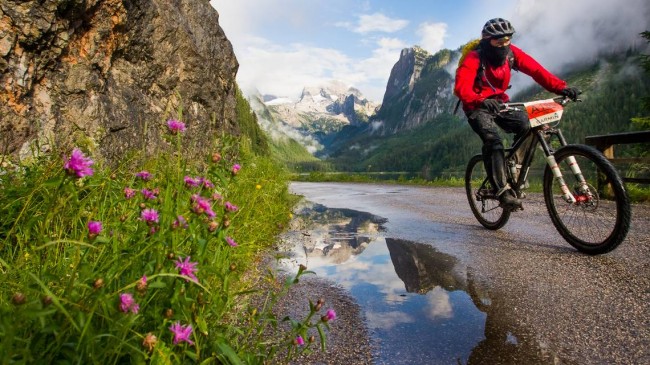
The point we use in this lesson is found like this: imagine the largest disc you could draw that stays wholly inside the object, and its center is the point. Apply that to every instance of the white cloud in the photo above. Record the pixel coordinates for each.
(558, 33)
(377, 22)
(387, 320)
(432, 36)
(284, 71)
(373, 71)
(439, 304)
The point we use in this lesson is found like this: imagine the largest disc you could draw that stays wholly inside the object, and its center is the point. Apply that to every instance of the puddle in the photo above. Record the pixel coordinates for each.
(420, 304)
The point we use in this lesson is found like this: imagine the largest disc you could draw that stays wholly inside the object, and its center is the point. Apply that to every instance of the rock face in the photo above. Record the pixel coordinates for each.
(405, 72)
(107, 74)
(418, 89)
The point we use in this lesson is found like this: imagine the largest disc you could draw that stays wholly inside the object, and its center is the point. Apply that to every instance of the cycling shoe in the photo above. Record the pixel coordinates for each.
(508, 200)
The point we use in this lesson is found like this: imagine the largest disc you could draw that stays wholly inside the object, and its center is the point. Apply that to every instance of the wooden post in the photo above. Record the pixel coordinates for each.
(604, 189)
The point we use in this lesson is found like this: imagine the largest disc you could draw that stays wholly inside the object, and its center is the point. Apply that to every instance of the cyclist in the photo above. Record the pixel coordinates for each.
(482, 79)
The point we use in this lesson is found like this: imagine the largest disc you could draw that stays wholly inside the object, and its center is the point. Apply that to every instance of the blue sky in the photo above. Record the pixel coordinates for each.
(284, 45)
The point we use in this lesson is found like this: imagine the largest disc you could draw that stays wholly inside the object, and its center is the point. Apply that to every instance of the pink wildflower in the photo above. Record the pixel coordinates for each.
(94, 228)
(175, 126)
(191, 182)
(206, 183)
(148, 194)
(181, 333)
(235, 168)
(231, 207)
(330, 315)
(149, 216)
(300, 341)
(78, 164)
(231, 242)
(129, 193)
(144, 175)
(141, 285)
(180, 222)
(187, 268)
(127, 303)
(202, 205)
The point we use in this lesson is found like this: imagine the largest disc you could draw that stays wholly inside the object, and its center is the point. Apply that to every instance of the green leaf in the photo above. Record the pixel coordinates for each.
(102, 239)
(158, 284)
(209, 360)
(191, 355)
(202, 243)
(55, 181)
(227, 355)
(203, 327)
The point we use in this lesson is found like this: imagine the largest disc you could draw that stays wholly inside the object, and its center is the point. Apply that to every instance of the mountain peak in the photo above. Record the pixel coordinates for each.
(329, 91)
(405, 72)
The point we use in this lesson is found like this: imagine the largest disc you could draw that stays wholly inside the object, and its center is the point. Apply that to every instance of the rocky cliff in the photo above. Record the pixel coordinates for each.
(419, 88)
(109, 73)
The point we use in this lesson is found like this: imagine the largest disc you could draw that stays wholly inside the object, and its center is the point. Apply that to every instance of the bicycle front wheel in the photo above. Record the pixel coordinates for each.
(598, 221)
(484, 205)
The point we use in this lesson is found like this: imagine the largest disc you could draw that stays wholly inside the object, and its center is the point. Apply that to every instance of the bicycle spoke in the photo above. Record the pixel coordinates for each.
(598, 220)
(484, 206)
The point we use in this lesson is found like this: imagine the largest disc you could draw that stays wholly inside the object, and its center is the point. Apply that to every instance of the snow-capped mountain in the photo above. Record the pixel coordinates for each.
(320, 111)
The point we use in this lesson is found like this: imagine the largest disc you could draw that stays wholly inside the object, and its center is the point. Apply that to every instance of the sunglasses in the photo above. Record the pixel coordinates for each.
(503, 40)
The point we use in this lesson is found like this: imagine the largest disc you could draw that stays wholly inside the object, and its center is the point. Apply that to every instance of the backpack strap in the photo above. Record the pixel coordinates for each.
(480, 74)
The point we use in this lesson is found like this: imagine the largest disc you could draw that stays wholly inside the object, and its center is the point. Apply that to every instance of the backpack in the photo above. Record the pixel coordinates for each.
(474, 45)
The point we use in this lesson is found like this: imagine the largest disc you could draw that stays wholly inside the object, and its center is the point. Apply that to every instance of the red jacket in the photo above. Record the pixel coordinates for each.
(472, 95)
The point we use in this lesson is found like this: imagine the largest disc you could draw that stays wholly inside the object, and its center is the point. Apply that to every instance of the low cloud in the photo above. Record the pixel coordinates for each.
(561, 33)
(432, 36)
(281, 131)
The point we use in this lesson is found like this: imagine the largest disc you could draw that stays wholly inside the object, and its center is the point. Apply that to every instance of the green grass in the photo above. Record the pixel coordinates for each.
(64, 289)
(637, 192)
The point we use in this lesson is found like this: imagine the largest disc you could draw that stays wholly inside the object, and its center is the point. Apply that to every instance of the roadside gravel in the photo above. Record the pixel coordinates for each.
(348, 341)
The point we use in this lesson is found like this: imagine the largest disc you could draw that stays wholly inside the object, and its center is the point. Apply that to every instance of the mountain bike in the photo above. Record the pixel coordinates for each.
(584, 194)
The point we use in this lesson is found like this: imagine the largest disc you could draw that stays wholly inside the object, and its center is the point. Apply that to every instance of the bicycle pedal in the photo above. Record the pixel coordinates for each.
(511, 207)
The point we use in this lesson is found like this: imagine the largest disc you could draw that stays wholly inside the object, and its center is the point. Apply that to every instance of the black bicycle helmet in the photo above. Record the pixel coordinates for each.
(497, 27)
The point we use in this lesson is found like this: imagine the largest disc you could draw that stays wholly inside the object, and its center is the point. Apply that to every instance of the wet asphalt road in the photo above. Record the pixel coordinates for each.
(565, 307)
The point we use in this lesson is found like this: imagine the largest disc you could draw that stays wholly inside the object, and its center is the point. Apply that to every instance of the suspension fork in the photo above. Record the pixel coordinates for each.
(555, 169)
(575, 168)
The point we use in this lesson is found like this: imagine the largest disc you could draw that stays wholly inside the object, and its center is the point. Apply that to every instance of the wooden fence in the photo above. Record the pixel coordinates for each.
(606, 143)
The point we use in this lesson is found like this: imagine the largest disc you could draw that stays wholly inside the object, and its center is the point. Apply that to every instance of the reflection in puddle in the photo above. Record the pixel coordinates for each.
(420, 304)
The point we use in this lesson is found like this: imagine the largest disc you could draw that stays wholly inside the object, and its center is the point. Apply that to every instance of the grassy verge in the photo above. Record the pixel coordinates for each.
(366, 178)
(150, 261)
(638, 193)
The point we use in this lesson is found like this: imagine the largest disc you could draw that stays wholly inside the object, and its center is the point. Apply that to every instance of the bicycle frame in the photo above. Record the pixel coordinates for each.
(541, 128)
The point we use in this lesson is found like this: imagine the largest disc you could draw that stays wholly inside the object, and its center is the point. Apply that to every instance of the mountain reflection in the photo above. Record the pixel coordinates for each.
(336, 234)
(451, 317)
(422, 268)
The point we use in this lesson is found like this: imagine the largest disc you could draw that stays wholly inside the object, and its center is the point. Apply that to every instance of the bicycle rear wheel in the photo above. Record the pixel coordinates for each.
(485, 207)
(600, 218)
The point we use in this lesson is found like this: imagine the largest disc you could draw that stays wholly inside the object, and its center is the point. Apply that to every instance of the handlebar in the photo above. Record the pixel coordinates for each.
(562, 100)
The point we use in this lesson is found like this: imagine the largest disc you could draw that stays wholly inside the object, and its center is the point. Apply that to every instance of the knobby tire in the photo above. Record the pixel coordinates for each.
(594, 226)
(494, 217)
